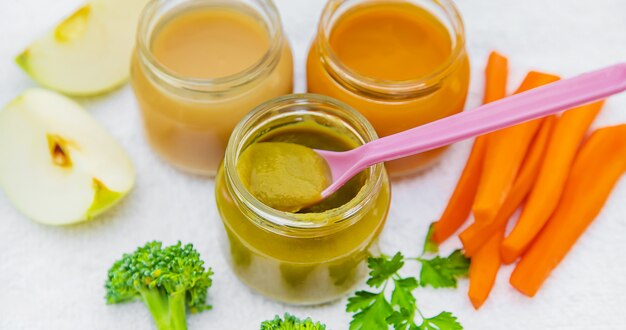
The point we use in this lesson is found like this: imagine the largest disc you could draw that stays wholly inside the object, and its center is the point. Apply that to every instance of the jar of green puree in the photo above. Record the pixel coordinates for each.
(318, 253)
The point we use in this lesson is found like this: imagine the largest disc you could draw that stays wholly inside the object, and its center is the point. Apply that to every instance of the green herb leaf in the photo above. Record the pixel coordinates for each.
(443, 321)
(291, 322)
(430, 246)
(402, 295)
(443, 272)
(402, 320)
(383, 268)
(374, 311)
(373, 316)
(403, 303)
(361, 300)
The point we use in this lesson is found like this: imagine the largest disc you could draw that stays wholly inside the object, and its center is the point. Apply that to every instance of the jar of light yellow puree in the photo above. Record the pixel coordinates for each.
(199, 67)
(319, 253)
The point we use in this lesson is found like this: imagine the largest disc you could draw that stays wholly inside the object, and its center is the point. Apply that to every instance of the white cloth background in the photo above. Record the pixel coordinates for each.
(52, 278)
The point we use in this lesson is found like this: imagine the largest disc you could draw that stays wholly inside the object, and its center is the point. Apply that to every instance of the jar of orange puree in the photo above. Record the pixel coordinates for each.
(400, 63)
(199, 67)
(317, 253)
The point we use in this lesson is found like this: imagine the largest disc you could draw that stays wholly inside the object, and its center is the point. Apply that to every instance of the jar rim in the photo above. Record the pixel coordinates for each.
(293, 224)
(381, 88)
(149, 19)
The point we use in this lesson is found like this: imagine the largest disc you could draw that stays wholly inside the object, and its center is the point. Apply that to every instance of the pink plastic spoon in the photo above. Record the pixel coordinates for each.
(516, 109)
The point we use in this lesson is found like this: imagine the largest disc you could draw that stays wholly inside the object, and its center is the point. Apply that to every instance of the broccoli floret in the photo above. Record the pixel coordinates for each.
(168, 280)
(291, 322)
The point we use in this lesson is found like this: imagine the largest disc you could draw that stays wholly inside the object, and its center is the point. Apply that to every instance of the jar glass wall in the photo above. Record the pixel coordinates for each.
(393, 95)
(188, 117)
(301, 258)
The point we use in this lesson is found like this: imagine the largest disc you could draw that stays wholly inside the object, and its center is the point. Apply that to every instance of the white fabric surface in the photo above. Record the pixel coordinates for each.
(52, 278)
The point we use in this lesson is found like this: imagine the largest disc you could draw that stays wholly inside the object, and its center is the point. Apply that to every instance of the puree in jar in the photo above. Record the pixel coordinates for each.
(394, 41)
(284, 176)
(319, 266)
(203, 67)
(396, 62)
(210, 43)
(310, 136)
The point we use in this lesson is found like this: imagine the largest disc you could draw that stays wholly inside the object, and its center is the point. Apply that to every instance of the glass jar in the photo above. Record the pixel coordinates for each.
(392, 104)
(301, 258)
(188, 120)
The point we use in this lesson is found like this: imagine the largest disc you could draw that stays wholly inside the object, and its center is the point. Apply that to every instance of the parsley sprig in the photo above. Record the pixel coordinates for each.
(394, 304)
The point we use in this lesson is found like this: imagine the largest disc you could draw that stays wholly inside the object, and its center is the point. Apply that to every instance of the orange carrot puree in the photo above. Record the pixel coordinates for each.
(392, 43)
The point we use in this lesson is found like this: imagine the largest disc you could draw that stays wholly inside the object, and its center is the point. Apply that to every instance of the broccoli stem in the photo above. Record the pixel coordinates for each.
(178, 311)
(169, 312)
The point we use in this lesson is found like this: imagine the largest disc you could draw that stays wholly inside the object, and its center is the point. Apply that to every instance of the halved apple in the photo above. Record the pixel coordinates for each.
(89, 52)
(57, 164)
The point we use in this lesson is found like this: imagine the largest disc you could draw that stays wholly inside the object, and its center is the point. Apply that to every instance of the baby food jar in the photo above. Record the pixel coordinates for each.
(319, 254)
(199, 67)
(401, 63)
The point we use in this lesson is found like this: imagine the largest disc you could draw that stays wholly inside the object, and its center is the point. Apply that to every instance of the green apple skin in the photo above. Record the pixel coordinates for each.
(103, 200)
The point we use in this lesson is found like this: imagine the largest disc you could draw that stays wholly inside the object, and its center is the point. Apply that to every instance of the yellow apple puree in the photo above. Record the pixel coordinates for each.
(210, 43)
(199, 69)
(284, 176)
(319, 253)
(395, 62)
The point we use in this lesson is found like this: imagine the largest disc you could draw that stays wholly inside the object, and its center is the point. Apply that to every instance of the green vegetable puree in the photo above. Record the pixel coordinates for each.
(289, 267)
(285, 176)
(282, 171)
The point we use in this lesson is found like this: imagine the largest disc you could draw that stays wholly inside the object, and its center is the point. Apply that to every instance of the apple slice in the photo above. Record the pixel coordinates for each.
(57, 164)
(89, 52)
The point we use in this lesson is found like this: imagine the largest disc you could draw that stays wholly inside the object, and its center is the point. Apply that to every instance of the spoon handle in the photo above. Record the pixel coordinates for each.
(515, 109)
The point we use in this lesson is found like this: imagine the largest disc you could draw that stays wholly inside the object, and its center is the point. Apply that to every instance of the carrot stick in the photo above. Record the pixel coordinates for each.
(460, 203)
(484, 269)
(545, 195)
(496, 76)
(474, 236)
(504, 156)
(597, 167)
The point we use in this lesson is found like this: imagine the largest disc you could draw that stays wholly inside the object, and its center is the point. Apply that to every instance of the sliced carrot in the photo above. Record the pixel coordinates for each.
(545, 195)
(474, 236)
(597, 167)
(484, 269)
(504, 156)
(460, 203)
(496, 76)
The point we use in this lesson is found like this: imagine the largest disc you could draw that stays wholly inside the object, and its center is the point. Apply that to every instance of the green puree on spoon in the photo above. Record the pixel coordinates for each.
(285, 176)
